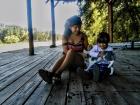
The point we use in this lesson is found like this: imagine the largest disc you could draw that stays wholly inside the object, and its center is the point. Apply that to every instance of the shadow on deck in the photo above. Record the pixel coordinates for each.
(20, 83)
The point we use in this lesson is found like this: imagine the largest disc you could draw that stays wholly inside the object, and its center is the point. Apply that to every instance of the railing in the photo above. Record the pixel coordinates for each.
(125, 45)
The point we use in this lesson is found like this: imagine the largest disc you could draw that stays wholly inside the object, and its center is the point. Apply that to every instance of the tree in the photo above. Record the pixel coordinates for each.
(126, 19)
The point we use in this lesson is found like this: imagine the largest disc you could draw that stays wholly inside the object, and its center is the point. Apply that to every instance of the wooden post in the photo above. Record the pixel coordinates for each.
(110, 18)
(132, 44)
(110, 21)
(53, 24)
(30, 30)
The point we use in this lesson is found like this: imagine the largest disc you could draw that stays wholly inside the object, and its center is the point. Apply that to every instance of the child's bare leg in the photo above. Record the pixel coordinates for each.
(112, 71)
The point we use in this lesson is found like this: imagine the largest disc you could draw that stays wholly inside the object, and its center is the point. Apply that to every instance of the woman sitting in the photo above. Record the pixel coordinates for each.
(74, 42)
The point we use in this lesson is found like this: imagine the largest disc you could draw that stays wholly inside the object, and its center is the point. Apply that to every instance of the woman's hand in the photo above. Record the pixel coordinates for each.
(89, 47)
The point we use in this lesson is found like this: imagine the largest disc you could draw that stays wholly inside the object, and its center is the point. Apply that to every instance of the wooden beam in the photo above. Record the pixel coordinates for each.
(56, 3)
(53, 23)
(110, 18)
(46, 1)
(30, 30)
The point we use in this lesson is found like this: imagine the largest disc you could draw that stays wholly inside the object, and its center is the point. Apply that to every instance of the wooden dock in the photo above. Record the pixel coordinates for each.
(20, 83)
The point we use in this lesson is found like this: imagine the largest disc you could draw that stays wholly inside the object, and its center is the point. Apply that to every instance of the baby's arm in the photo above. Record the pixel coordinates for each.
(94, 52)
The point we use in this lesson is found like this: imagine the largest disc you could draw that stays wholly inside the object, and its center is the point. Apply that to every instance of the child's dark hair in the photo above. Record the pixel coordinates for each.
(103, 37)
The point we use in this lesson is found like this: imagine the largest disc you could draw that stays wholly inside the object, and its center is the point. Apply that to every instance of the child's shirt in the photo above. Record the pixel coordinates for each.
(96, 50)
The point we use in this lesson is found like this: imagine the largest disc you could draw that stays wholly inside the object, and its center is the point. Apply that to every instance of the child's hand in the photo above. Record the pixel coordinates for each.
(101, 54)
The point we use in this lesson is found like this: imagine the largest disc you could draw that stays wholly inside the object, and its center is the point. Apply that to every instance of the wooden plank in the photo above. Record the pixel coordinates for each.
(75, 95)
(7, 55)
(93, 94)
(126, 83)
(42, 92)
(11, 58)
(40, 95)
(129, 58)
(13, 64)
(18, 62)
(24, 92)
(19, 67)
(59, 91)
(126, 69)
(6, 61)
(110, 93)
(12, 78)
(131, 97)
(16, 68)
(17, 84)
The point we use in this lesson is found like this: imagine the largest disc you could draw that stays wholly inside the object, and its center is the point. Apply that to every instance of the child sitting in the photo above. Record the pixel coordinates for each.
(101, 53)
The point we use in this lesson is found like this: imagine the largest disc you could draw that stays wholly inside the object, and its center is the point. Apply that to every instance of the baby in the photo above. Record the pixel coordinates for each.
(102, 53)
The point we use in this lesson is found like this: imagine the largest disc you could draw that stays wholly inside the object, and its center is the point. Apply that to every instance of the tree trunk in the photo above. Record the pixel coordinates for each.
(110, 21)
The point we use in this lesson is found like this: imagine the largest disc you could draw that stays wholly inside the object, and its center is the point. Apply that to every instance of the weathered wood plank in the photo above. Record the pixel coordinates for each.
(24, 92)
(43, 91)
(40, 95)
(6, 81)
(11, 58)
(93, 94)
(13, 64)
(20, 100)
(133, 98)
(126, 83)
(75, 91)
(110, 93)
(17, 84)
(19, 67)
(59, 91)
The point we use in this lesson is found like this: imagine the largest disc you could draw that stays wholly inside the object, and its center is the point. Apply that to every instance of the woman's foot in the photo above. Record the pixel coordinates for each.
(57, 78)
(45, 75)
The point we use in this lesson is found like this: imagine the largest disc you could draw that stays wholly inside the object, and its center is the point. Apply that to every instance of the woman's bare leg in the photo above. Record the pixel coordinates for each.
(79, 61)
(66, 62)
(58, 64)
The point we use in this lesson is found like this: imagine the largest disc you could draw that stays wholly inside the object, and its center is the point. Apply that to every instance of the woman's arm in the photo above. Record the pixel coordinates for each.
(64, 44)
(86, 44)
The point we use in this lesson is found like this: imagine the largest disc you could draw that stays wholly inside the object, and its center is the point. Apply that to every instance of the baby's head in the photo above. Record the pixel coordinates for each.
(103, 40)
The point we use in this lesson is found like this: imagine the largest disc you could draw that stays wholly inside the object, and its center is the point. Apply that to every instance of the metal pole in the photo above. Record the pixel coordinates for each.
(30, 31)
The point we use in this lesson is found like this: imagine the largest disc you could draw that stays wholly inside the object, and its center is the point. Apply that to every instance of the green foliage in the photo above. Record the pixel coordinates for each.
(13, 34)
(58, 37)
(94, 20)
(11, 39)
(1, 41)
(23, 35)
(41, 36)
(126, 19)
